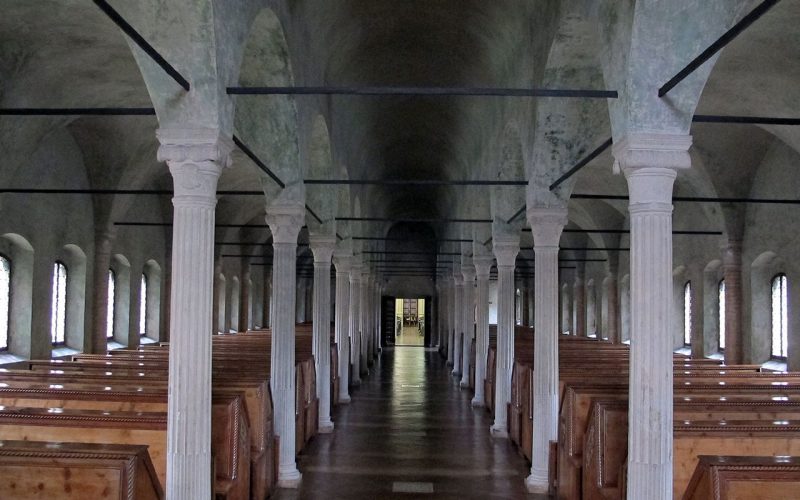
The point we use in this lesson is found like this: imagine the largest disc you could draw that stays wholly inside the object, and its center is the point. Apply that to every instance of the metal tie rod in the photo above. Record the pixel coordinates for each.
(426, 91)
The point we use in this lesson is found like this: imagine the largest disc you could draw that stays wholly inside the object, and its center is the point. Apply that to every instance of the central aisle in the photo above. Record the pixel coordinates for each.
(409, 423)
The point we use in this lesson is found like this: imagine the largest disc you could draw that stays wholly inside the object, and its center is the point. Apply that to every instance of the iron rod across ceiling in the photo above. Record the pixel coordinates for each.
(426, 91)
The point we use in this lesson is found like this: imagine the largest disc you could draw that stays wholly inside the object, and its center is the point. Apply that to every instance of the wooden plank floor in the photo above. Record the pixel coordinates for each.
(410, 432)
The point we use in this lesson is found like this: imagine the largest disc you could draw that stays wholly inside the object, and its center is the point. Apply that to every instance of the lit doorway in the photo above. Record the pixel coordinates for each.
(406, 322)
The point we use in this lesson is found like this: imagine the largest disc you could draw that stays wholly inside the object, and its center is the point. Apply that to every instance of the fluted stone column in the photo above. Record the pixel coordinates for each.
(468, 321)
(649, 162)
(355, 324)
(506, 248)
(323, 246)
(458, 317)
(546, 225)
(195, 158)
(579, 302)
(365, 319)
(483, 264)
(612, 328)
(732, 272)
(451, 297)
(343, 262)
(285, 222)
(378, 323)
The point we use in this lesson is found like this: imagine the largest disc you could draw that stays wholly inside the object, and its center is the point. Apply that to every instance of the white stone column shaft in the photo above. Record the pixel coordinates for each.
(355, 324)
(546, 225)
(323, 251)
(649, 162)
(483, 265)
(451, 298)
(468, 321)
(343, 264)
(195, 158)
(365, 317)
(505, 251)
(458, 317)
(284, 222)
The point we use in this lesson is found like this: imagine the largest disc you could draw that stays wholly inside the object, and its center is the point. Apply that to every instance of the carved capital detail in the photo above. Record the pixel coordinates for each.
(653, 150)
(506, 250)
(285, 222)
(547, 225)
(483, 265)
(322, 246)
(196, 158)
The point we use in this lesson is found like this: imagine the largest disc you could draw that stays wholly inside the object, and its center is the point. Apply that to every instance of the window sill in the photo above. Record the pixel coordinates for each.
(8, 358)
(113, 344)
(775, 365)
(63, 351)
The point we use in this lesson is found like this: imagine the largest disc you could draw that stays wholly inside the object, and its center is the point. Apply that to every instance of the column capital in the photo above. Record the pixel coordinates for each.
(547, 223)
(468, 272)
(343, 262)
(323, 247)
(356, 272)
(285, 222)
(196, 157)
(647, 150)
(650, 163)
(506, 250)
(483, 265)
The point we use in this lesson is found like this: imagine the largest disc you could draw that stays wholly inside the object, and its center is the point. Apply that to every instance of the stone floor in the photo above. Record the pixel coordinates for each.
(410, 336)
(409, 433)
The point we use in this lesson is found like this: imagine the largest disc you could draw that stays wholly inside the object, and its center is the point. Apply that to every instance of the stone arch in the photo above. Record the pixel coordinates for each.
(20, 254)
(323, 199)
(506, 200)
(269, 125)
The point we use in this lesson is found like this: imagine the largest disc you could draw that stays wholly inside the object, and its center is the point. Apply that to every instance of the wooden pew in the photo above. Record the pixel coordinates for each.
(606, 445)
(744, 477)
(82, 412)
(76, 471)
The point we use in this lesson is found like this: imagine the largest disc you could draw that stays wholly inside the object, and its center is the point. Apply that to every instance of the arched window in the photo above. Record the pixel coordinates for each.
(58, 311)
(110, 303)
(143, 306)
(5, 300)
(687, 313)
(721, 318)
(780, 330)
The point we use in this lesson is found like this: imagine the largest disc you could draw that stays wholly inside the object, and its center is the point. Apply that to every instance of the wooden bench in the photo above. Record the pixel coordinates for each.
(606, 446)
(45, 413)
(744, 477)
(76, 471)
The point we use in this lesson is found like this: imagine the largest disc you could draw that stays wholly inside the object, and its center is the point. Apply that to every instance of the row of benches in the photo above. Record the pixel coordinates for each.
(120, 399)
(719, 410)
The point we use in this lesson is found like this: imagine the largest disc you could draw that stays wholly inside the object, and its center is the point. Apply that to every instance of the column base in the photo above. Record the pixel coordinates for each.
(344, 400)
(325, 427)
(290, 479)
(356, 382)
(499, 432)
(456, 374)
(464, 385)
(449, 363)
(477, 401)
(536, 485)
